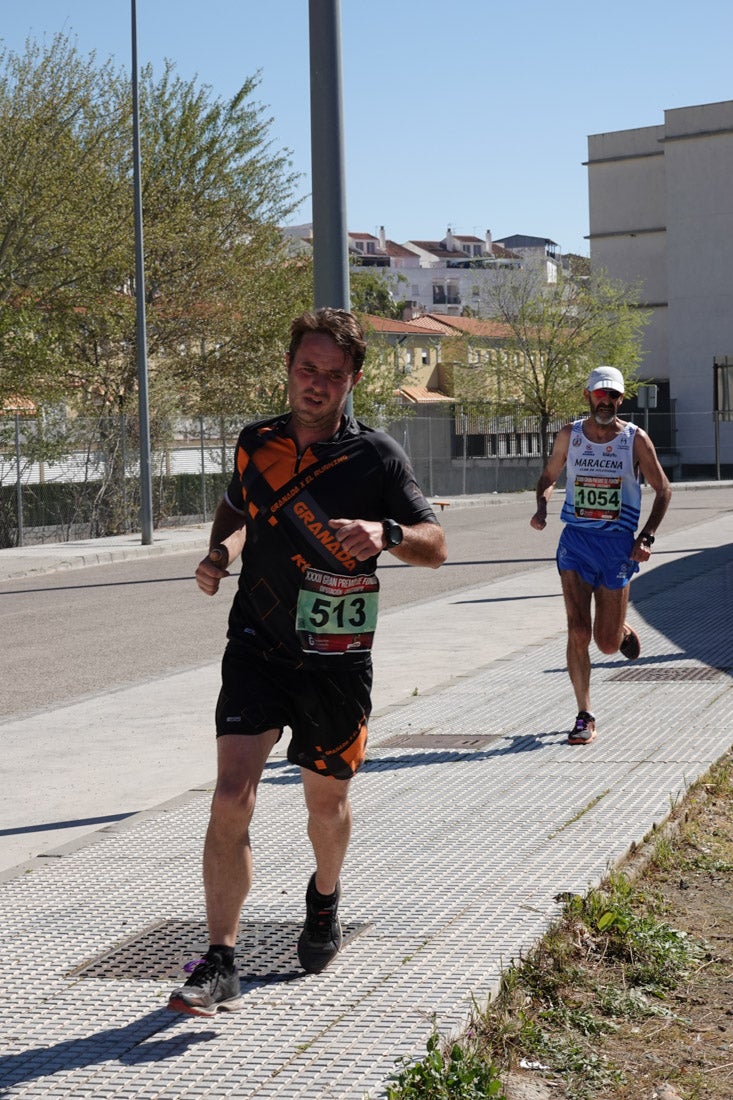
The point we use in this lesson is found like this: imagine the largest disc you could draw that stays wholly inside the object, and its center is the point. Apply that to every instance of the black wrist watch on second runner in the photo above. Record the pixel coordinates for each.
(393, 533)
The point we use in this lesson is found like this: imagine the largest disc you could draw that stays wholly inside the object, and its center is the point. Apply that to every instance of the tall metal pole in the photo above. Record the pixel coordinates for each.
(330, 252)
(141, 339)
(18, 482)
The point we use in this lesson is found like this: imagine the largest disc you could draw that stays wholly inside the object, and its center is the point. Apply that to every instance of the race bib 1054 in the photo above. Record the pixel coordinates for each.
(598, 497)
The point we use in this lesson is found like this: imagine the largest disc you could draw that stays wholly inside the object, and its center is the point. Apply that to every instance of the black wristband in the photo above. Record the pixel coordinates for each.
(646, 539)
(221, 561)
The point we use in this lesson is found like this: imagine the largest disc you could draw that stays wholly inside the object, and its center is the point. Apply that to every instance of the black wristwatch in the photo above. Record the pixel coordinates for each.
(646, 539)
(393, 533)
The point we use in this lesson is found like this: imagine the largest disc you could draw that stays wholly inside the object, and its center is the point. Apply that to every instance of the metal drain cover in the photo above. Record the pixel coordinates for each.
(672, 674)
(427, 740)
(266, 952)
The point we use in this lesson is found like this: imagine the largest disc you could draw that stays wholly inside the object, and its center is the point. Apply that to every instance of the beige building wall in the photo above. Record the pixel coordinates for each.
(661, 214)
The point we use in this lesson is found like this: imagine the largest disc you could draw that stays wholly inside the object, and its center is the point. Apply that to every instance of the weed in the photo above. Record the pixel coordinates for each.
(449, 1072)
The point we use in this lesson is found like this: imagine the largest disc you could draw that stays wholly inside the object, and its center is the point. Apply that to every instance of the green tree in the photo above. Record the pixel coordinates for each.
(374, 292)
(220, 288)
(60, 127)
(377, 398)
(576, 265)
(554, 335)
(214, 193)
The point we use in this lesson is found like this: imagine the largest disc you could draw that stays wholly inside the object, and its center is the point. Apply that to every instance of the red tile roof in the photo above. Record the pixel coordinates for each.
(386, 324)
(394, 249)
(22, 405)
(439, 250)
(423, 395)
(472, 326)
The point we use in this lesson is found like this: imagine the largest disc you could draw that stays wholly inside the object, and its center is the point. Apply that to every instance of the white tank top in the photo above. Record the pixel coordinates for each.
(603, 490)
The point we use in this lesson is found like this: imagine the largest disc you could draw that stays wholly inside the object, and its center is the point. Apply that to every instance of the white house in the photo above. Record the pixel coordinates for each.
(439, 276)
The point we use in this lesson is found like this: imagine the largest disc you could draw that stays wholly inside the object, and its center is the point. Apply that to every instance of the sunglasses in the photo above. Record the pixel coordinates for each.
(613, 394)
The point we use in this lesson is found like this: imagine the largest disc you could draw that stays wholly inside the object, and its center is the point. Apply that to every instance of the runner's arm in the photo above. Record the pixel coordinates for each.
(549, 476)
(645, 456)
(422, 543)
(226, 542)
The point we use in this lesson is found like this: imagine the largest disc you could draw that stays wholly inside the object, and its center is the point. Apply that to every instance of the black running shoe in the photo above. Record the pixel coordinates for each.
(321, 938)
(210, 989)
(630, 643)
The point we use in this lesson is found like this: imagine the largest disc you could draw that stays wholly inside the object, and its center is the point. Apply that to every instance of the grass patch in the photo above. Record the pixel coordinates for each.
(628, 989)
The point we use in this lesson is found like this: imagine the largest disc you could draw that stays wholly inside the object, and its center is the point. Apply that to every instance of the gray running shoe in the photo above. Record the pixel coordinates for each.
(210, 989)
(584, 730)
(321, 938)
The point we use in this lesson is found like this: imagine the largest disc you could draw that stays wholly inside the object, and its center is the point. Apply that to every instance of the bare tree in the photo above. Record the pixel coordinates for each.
(554, 335)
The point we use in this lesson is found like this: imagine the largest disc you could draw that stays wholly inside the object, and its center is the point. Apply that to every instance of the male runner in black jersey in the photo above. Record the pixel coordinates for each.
(314, 499)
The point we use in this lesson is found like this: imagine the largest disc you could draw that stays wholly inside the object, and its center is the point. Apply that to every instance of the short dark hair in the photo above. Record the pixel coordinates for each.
(339, 324)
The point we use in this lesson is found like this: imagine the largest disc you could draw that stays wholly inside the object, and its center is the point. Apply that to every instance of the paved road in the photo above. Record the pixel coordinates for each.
(75, 633)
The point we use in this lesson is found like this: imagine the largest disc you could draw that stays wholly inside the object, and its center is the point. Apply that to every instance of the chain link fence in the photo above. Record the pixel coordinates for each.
(68, 478)
(80, 479)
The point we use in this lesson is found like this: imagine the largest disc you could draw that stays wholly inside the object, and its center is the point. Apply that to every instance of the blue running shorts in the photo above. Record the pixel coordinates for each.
(600, 558)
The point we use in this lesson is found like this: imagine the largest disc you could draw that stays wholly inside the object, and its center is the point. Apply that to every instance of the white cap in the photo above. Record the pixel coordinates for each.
(605, 378)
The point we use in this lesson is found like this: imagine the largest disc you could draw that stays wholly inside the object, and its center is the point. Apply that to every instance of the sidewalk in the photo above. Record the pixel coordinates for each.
(471, 815)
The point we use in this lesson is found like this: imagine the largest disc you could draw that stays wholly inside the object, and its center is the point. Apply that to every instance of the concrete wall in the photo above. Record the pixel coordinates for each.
(661, 213)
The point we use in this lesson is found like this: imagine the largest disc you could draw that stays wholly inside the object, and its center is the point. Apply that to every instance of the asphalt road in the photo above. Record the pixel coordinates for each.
(69, 635)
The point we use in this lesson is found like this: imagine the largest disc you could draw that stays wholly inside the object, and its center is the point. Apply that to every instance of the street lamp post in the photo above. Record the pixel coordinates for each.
(141, 340)
(330, 255)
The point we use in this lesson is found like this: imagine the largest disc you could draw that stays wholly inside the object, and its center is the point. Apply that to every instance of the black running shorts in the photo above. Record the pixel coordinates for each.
(327, 711)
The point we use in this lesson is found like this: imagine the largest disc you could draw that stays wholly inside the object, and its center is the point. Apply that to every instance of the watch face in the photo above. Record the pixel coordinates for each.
(392, 533)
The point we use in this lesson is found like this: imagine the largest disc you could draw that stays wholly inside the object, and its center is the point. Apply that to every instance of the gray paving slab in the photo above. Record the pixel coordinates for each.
(460, 848)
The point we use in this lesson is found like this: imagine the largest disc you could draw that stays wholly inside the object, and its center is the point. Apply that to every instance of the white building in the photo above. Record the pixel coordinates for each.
(441, 276)
(661, 214)
(447, 276)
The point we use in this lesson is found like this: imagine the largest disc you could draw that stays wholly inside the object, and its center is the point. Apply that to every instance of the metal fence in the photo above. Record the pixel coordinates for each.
(71, 478)
(81, 478)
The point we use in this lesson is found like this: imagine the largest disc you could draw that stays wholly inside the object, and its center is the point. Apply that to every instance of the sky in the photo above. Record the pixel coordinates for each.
(470, 114)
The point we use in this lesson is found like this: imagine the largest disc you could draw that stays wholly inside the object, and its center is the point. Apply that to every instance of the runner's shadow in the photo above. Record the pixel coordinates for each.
(510, 746)
(128, 1045)
(696, 618)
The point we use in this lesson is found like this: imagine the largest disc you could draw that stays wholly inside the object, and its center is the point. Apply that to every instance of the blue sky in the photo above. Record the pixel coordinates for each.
(472, 114)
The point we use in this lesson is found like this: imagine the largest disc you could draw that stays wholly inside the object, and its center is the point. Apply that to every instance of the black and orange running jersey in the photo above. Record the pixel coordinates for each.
(287, 500)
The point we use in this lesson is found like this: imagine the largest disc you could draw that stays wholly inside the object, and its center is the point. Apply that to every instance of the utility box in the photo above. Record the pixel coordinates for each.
(646, 397)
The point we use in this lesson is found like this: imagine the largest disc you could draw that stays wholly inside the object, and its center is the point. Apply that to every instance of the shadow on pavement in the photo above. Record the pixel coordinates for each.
(52, 826)
(696, 617)
(128, 1045)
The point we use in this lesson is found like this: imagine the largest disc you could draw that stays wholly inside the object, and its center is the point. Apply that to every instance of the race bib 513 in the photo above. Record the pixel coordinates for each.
(336, 614)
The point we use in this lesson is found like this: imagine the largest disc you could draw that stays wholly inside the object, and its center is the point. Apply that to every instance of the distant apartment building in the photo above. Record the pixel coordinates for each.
(661, 215)
(447, 276)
